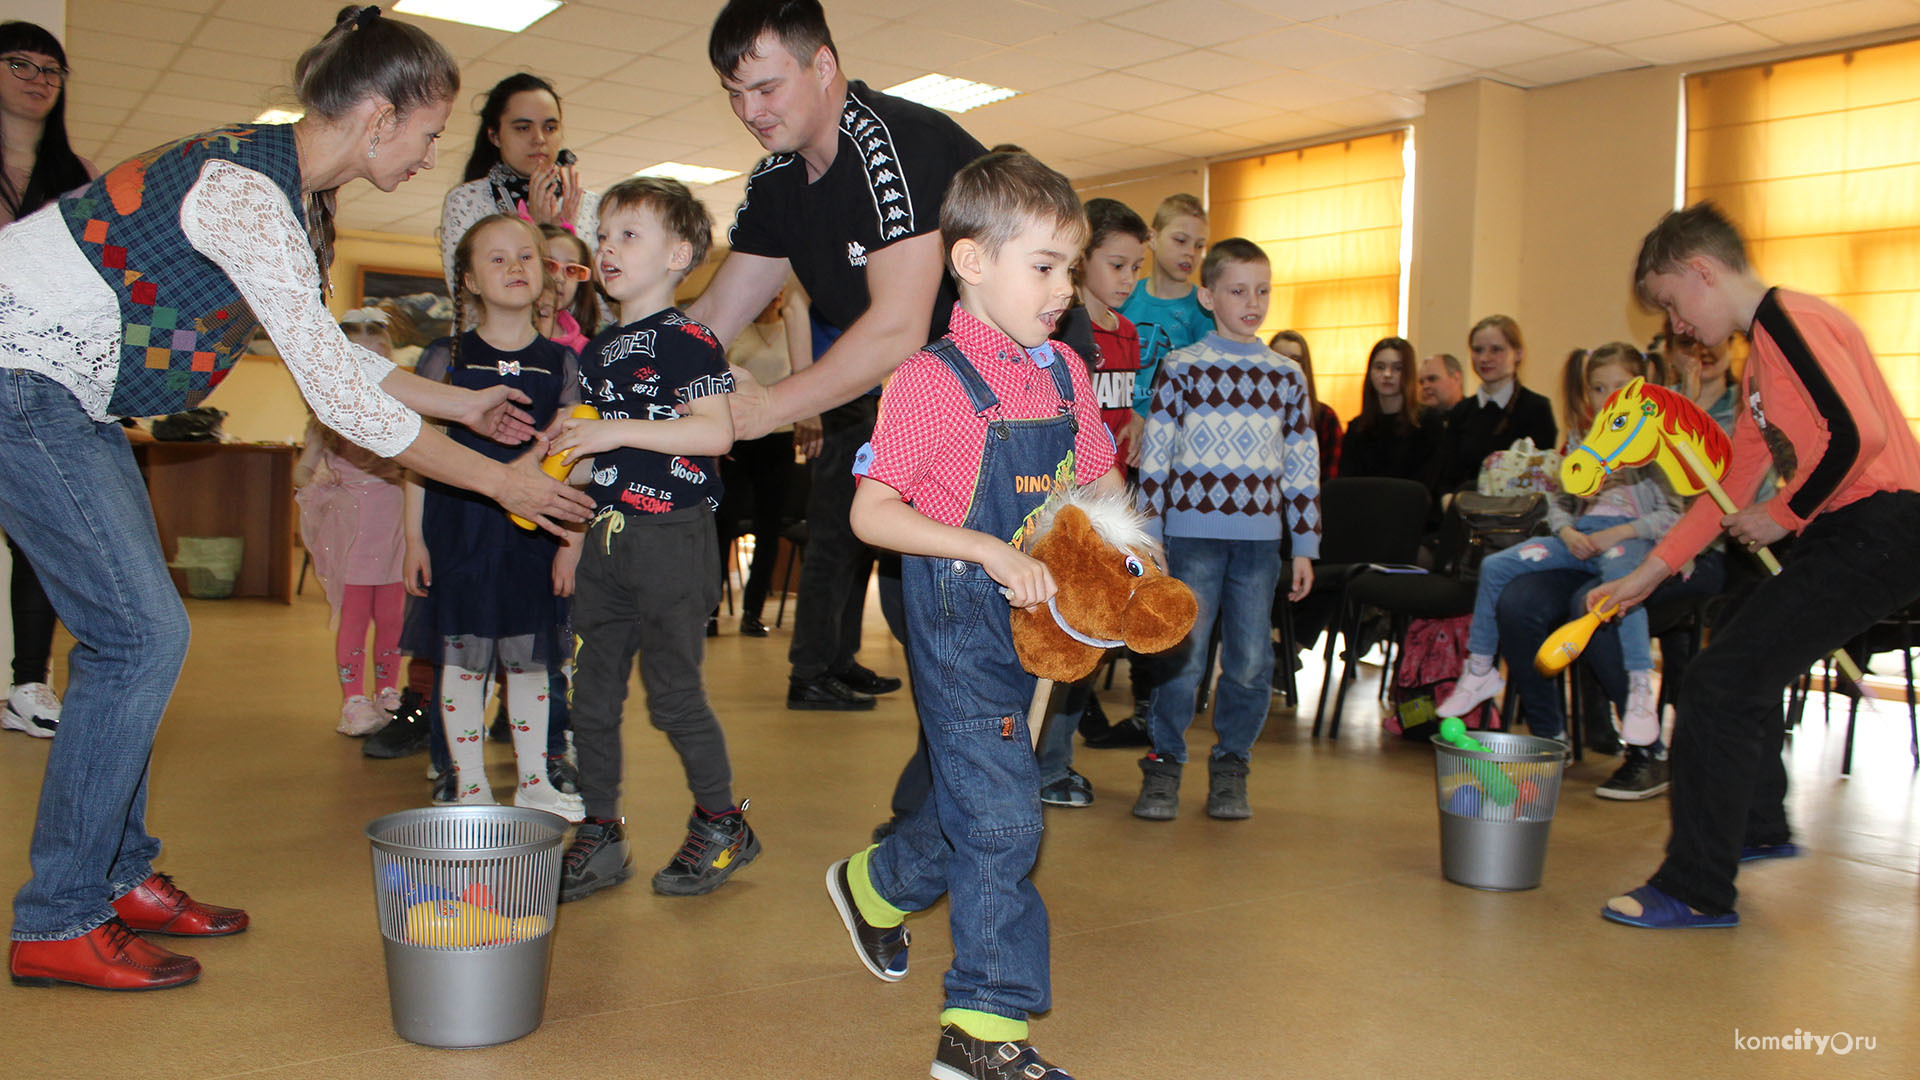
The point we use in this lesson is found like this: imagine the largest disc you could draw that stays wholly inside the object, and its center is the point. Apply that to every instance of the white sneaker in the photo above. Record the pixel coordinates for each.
(33, 708)
(545, 797)
(388, 699)
(1471, 690)
(1641, 724)
(358, 717)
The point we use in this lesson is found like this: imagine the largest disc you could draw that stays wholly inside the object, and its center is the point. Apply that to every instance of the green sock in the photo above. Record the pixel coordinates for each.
(873, 907)
(985, 1026)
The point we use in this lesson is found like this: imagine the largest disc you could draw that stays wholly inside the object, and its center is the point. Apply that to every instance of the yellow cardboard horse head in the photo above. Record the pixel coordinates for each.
(1637, 425)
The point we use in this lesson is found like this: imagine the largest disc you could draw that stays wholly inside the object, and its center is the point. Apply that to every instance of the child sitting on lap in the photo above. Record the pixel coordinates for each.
(1608, 535)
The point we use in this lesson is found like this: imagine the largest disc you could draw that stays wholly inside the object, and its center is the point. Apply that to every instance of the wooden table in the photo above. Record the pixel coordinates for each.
(227, 489)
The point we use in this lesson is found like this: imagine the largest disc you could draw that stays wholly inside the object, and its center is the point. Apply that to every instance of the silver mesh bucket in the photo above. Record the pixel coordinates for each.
(1496, 808)
(466, 898)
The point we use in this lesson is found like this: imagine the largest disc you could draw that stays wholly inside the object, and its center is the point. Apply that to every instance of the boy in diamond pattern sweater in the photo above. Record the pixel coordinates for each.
(1228, 467)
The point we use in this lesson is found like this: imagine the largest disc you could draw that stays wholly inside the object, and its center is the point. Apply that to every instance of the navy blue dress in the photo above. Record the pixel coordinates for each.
(491, 578)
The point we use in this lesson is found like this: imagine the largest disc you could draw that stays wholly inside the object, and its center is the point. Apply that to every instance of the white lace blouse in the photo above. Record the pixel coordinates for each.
(58, 318)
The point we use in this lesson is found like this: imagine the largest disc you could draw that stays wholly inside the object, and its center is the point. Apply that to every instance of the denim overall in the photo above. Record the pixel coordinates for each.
(977, 836)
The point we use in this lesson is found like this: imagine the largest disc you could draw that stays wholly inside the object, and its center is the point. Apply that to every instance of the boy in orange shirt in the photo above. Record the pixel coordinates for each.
(1820, 412)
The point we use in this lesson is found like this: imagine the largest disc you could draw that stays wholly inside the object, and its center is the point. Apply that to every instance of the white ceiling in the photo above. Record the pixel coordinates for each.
(1106, 85)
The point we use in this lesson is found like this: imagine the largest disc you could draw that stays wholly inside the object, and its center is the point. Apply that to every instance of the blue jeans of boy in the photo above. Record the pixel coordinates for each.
(976, 837)
(1055, 752)
(1550, 553)
(73, 500)
(1232, 580)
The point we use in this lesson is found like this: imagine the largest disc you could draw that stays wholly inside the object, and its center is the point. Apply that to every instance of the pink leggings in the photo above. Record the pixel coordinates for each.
(382, 606)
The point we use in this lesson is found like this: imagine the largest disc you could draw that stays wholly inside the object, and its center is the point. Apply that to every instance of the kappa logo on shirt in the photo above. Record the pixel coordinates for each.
(856, 255)
(875, 144)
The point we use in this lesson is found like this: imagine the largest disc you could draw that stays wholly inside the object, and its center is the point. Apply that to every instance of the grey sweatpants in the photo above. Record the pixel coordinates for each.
(645, 589)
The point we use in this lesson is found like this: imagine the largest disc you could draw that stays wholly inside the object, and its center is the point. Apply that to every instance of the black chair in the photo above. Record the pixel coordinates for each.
(1364, 520)
(1893, 633)
(1403, 598)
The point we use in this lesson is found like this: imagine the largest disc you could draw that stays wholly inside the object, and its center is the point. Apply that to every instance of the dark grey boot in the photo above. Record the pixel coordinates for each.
(1159, 790)
(1227, 789)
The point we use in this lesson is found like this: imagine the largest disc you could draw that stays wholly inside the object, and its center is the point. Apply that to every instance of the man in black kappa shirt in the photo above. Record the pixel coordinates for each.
(848, 199)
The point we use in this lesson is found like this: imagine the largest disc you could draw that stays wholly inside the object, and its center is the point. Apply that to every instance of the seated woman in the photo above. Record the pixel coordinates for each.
(1326, 423)
(1500, 413)
(1393, 435)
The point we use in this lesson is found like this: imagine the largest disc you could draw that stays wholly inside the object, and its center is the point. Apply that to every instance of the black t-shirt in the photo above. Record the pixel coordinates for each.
(639, 372)
(884, 186)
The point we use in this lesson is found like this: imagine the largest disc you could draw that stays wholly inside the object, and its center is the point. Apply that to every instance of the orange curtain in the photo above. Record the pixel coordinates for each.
(1328, 217)
(1818, 159)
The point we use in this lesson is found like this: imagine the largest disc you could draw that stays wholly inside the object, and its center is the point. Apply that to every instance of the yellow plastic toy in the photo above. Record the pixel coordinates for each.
(457, 924)
(559, 465)
(1565, 645)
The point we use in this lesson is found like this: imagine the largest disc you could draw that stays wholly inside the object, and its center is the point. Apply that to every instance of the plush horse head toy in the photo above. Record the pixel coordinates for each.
(1112, 589)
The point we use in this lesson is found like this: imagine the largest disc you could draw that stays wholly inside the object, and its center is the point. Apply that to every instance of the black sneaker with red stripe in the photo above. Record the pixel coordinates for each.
(597, 859)
(716, 846)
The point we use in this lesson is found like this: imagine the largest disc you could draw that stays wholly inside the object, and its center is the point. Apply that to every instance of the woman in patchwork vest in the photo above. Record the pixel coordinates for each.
(133, 296)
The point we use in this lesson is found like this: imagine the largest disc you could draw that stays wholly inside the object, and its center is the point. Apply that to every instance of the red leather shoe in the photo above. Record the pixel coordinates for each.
(158, 906)
(108, 957)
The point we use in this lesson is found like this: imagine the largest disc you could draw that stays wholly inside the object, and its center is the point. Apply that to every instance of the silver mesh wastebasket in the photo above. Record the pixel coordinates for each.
(1496, 808)
(466, 901)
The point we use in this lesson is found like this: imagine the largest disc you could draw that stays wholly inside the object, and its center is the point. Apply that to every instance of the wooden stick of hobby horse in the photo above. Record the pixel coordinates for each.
(1700, 469)
(1037, 712)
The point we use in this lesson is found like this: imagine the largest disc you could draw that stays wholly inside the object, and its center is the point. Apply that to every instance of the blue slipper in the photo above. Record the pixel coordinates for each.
(1658, 911)
(1786, 849)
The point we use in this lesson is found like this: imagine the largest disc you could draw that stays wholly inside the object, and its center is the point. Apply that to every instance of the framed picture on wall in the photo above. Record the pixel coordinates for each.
(416, 301)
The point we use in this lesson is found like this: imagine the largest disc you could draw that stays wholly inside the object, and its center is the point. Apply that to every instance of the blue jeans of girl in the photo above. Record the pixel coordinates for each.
(72, 498)
(1550, 553)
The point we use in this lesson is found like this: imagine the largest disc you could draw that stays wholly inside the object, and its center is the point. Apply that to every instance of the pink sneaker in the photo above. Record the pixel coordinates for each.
(388, 699)
(1641, 724)
(358, 717)
(1471, 690)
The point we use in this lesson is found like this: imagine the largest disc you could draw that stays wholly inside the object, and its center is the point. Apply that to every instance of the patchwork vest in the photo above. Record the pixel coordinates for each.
(183, 323)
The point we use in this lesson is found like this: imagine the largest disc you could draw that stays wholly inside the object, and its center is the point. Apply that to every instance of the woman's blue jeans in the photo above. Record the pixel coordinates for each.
(73, 500)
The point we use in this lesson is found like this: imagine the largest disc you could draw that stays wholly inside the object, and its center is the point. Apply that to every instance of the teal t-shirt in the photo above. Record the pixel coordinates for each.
(1164, 325)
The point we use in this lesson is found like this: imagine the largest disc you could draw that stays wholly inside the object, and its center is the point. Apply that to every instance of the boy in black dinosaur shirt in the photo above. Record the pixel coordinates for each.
(648, 564)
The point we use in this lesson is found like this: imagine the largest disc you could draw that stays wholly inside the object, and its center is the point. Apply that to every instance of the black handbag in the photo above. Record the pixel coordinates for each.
(1495, 523)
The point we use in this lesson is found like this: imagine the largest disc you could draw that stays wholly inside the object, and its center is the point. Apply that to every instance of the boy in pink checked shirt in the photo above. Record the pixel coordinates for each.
(974, 432)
